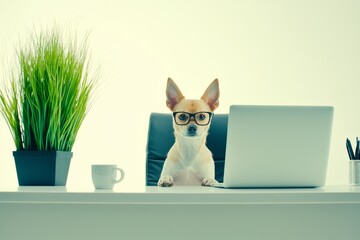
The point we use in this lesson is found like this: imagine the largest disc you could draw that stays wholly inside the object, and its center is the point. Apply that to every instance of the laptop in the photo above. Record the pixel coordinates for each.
(277, 146)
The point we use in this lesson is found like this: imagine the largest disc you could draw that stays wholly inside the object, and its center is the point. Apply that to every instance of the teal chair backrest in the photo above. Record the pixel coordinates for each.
(161, 138)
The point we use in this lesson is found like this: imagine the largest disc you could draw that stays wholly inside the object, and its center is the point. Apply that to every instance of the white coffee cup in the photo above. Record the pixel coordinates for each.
(104, 176)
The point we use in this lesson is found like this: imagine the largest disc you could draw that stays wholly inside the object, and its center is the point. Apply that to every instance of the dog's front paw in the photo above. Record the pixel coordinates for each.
(208, 182)
(166, 181)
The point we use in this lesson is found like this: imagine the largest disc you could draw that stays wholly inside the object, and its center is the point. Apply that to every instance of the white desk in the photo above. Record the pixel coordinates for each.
(55, 213)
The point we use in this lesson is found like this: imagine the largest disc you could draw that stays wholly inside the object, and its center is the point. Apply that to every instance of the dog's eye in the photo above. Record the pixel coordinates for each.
(202, 116)
(183, 117)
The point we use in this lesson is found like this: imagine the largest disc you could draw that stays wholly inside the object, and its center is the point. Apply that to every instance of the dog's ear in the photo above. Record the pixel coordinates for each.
(173, 94)
(212, 94)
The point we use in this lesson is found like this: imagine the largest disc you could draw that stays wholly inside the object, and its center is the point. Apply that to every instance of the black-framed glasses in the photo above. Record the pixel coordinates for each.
(201, 118)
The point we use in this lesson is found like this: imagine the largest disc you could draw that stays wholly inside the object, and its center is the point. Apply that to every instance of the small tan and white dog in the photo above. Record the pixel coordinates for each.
(189, 161)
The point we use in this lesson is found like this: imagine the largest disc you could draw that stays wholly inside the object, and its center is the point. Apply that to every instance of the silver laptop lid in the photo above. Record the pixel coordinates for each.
(277, 146)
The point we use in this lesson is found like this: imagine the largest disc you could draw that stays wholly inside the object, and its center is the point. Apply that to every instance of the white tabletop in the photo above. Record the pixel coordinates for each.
(182, 195)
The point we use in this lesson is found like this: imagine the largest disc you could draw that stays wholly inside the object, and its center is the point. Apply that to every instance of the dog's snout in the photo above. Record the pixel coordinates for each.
(192, 129)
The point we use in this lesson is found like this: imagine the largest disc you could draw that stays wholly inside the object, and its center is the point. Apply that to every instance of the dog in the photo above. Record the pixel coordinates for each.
(189, 162)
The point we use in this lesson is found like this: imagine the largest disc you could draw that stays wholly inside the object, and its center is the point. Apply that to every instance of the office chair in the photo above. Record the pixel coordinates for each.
(161, 138)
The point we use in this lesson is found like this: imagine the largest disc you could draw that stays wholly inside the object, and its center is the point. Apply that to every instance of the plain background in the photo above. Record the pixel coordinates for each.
(286, 52)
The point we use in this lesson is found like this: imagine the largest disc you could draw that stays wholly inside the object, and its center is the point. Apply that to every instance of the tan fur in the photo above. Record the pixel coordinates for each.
(189, 161)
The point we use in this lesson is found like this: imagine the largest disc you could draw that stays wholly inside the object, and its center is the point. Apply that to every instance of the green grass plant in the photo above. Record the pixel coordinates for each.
(48, 97)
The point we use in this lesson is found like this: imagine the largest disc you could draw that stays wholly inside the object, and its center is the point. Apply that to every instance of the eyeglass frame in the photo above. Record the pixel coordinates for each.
(192, 115)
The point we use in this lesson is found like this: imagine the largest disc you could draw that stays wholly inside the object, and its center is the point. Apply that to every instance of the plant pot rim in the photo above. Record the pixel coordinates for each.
(42, 153)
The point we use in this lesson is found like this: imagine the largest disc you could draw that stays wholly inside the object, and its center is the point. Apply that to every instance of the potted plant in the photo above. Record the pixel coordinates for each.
(44, 104)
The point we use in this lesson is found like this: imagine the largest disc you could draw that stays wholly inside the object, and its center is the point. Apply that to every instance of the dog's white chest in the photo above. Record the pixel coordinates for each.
(187, 177)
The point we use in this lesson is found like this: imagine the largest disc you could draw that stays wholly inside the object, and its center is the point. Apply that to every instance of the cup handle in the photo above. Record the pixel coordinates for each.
(122, 174)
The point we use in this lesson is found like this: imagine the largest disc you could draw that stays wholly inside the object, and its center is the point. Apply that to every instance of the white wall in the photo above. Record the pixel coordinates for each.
(263, 52)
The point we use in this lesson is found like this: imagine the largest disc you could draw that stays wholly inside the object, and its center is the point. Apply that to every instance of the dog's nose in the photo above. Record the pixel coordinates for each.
(192, 129)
